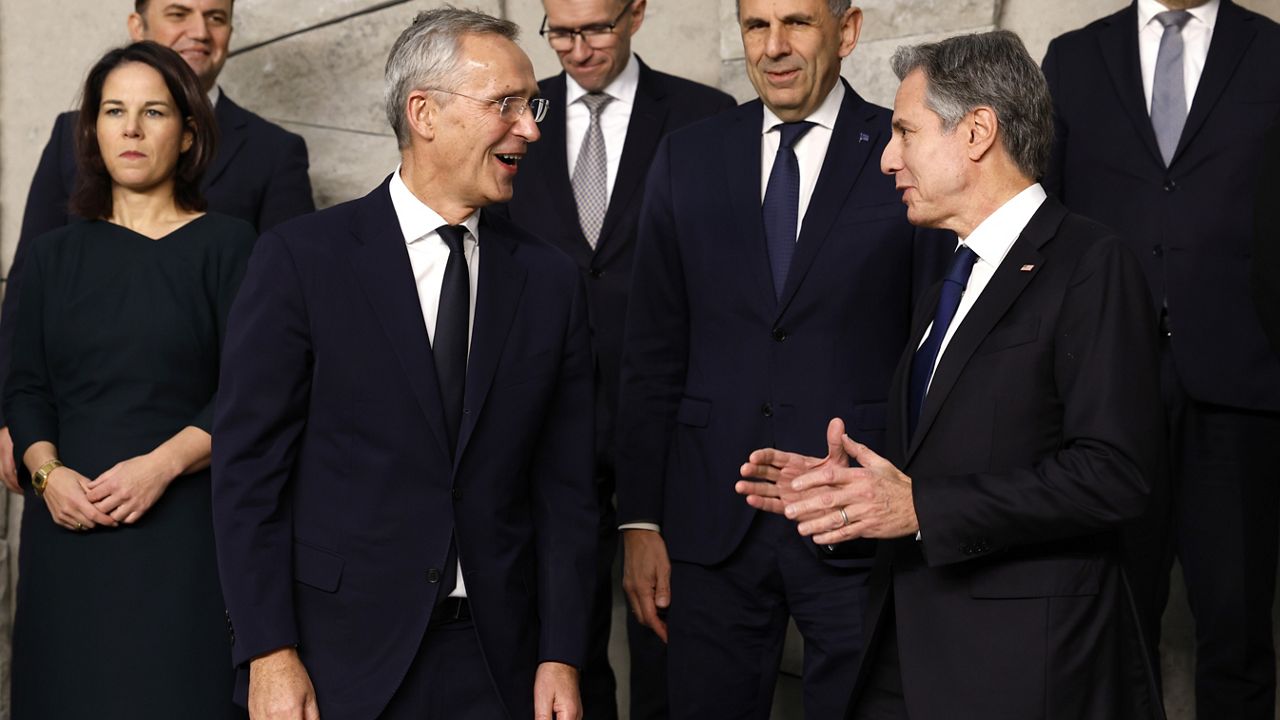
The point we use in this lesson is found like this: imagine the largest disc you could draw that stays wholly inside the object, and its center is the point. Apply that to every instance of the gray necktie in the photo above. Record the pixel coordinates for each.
(1168, 91)
(591, 173)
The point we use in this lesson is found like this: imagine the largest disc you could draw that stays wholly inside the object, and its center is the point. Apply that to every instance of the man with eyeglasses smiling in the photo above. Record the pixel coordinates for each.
(404, 507)
(580, 188)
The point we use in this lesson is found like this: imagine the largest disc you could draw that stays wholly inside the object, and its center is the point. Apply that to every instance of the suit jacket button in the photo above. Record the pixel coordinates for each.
(1170, 186)
(595, 272)
(766, 410)
(1157, 250)
(433, 576)
(779, 334)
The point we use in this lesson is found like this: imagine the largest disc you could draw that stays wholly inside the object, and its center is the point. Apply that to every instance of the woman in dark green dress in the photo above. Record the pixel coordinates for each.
(109, 402)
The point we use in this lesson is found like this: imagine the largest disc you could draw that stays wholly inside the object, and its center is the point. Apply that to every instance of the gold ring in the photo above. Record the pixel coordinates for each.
(844, 517)
(79, 526)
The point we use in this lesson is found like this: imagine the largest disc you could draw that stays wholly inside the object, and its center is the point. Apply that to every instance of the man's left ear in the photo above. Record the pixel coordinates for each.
(982, 125)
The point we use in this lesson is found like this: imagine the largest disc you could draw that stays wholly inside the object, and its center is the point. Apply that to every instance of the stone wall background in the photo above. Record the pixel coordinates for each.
(325, 84)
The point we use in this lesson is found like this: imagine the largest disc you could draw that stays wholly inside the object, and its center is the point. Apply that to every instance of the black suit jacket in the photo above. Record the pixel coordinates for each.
(1190, 224)
(258, 175)
(1035, 442)
(714, 366)
(1266, 248)
(543, 204)
(334, 493)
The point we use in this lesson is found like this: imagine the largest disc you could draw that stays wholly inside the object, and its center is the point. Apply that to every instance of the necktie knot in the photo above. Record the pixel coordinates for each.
(961, 265)
(452, 236)
(1173, 19)
(595, 102)
(791, 132)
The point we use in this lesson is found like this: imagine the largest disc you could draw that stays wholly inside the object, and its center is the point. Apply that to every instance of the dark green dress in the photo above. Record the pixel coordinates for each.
(116, 351)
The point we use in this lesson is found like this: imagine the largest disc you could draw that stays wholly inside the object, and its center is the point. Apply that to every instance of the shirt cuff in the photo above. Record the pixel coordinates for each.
(641, 526)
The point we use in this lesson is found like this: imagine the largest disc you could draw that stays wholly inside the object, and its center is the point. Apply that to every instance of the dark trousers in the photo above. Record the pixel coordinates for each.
(448, 680)
(1225, 507)
(880, 697)
(727, 624)
(648, 654)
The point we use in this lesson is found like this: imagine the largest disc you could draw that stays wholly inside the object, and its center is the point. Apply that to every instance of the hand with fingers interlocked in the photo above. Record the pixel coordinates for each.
(65, 494)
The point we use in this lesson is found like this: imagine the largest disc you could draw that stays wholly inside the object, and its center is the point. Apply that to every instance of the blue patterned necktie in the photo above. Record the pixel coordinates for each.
(948, 302)
(781, 209)
(1169, 88)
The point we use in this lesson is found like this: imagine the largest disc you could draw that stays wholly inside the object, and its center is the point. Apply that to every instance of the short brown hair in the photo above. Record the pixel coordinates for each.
(91, 198)
(140, 6)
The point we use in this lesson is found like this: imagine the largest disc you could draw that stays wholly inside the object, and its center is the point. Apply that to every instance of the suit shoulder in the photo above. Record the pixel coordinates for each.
(539, 253)
(691, 91)
(1087, 34)
(268, 132)
(317, 226)
(1093, 244)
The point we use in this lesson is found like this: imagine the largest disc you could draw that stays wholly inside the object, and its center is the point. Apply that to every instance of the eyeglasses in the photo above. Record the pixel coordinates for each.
(595, 36)
(510, 109)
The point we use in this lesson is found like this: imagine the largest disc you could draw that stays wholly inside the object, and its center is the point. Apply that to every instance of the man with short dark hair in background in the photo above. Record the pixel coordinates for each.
(1024, 426)
(1160, 112)
(580, 188)
(258, 175)
(774, 279)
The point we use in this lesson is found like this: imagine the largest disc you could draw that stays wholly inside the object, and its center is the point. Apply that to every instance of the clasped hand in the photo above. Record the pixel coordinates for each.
(851, 493)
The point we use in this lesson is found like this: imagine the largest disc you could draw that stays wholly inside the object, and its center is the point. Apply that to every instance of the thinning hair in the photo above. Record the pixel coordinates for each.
(428, 54)
(91, 197)
(838, 7)
(991, 69)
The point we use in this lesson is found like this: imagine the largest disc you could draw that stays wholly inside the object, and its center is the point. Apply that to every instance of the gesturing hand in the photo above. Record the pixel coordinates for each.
(771, 472)
(839, 504)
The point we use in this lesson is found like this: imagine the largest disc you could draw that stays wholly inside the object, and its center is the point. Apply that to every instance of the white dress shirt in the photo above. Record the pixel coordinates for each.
(810, 150)
(1196, 35)
(991, 241)
(614, 118)
(428, 255)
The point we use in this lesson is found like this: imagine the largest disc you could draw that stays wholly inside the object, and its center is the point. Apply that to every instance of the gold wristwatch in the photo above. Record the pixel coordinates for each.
(41, 478)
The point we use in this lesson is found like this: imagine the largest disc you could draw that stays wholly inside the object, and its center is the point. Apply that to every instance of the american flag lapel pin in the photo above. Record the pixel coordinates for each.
(1028, 268)
(863, 137)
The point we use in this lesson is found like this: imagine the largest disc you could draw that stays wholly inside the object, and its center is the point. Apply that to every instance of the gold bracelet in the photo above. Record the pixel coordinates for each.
(41, 477)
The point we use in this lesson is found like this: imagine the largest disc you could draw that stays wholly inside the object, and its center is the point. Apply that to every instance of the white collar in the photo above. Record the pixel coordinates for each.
(622, 89)
(1206, 13)
(824, 116)
(214, 95)
(994, 236)
(417, 220)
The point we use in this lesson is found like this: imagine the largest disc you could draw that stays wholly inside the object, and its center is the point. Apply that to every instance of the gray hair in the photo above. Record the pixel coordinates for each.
(427, 55)
(838, 7)
(991, 69)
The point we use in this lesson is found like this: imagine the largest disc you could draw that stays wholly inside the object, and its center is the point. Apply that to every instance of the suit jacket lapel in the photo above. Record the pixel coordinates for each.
(233, 125)
(1005, 286)
(497, 298)
(1119, 46)
(745, 231)
(1232, 36)
(381, 266)
(846, 157)
(644, 130)
(556, 171)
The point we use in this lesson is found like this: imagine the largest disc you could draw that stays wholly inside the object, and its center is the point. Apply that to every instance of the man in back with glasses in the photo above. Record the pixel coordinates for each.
(580, 188)
(403, 499)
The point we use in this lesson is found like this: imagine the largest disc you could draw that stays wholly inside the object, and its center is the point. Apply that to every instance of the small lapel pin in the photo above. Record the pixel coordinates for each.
(863, 137)
(1028, 268)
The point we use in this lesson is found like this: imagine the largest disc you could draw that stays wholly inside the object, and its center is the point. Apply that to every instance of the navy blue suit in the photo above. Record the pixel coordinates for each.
(1191, 225)
(544, 204)
(259, 175)
(335, 499)
(715, 366)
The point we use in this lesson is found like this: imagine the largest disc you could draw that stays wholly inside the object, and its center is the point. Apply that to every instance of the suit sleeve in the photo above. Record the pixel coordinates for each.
(1105, 374)
(565, 497)
(261, 410)
(46, 210)
(288, 192)
(1265, 266)
(655, 352)
(1052, 180)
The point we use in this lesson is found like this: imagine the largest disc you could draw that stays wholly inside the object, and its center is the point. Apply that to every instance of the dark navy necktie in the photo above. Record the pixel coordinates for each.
(781, 209)
(449, 346)
(948, 302)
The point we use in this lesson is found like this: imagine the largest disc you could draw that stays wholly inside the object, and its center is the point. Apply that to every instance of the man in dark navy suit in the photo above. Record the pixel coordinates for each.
(586, 176)
(403, 497)
(766, 237)
(1160, 113)
(259, 173)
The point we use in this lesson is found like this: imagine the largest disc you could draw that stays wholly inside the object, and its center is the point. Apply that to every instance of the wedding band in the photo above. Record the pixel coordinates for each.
(844, 517)
(79, 526)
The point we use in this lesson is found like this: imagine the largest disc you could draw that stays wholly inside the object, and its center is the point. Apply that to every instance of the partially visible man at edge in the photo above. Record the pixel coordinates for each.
(259, 173)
